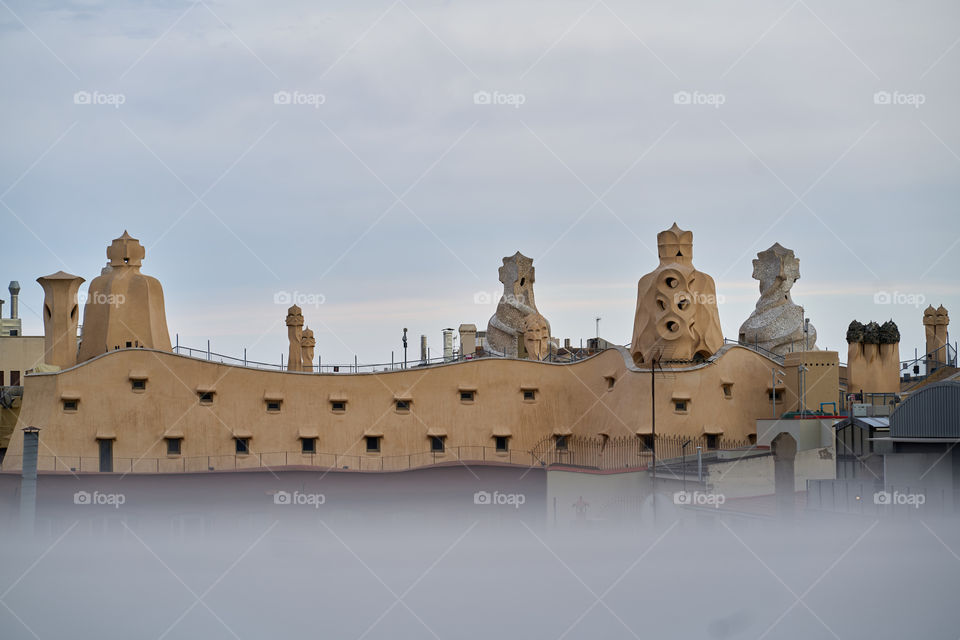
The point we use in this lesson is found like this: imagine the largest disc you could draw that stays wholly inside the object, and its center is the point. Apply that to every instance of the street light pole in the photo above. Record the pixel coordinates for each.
(683, 463)
(404, 347)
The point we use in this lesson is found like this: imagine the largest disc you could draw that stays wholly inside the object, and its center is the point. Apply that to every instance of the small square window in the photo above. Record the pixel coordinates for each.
(173, 446)
(680, 406)
(373, 444)
(273, 406)
(70, 405)
(243, 446)
(403, 405)
(466, 396)
(646, 440)
(308, 445)
(138, 385)
(560, 443)
(14, 332)
(338, 406)
(502, 443)
(129, 344)
(713, 441)
(436, 444)
(529, 395)
(206, 397)
(728, 391)
(779, 394)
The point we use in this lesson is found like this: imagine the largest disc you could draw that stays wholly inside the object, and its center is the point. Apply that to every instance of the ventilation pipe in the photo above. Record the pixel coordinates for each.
(14, 289)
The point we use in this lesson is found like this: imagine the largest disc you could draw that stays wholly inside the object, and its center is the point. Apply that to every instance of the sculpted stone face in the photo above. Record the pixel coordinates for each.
(676, 316)
(777, 322)
(536, 337)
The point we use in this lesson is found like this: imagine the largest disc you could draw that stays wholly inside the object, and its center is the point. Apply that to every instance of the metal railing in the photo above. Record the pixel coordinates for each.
(756, 347)
(573, 355)
(625, 452)
(279, 459)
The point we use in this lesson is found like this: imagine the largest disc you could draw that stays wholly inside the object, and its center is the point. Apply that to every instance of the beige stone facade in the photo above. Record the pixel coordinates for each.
(133, 402)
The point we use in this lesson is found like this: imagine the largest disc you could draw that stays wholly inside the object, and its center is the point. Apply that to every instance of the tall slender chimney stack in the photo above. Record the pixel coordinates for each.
(14, 289)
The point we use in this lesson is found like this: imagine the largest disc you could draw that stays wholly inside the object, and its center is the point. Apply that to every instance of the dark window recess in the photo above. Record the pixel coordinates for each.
(273, 406)
(173, 446)
(14, 332)
(337, 405)
(14, 378)
(502, 443)
(206, 397)
(308, 445)
(243, 445)
(466, 396)
(138, 385)
(1, 378)
(560, 443)
(611, 381)
(129, 344)
(646, 440)
(529, 394)
(106, 455)
(436, 444)
(373, 443)
(403, 405)
(680, 405)
(728, 391)
(69, 405)
(712, 441)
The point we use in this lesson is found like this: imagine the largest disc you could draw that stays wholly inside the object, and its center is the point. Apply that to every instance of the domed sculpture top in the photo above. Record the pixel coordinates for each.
(124, 307)
(676, 316)
(777, 323)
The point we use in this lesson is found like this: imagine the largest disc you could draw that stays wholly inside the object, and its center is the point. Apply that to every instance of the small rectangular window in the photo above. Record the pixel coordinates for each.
(502, 443)
(529, 395)
(680, 405)
(646, 440)
(69, 405)
(14, 332)
(728, 391)
(338, 406)
(206, 397)
(138, 385)
(436, 444)
(560, 443)
(129, 344)
(273, 406)
(373, 444)
(403, 405)
(14, 378)
(243, 445)
(1, 378)
(308, 445)
(611, 382)
(466, 396)
(173, 446)
(712, 441)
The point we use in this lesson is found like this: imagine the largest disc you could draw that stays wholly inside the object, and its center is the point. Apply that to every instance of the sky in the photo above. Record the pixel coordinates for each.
(376, 161)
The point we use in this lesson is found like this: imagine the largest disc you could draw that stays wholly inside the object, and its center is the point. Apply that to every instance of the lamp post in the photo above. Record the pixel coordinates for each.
(404, 347)
(683, 463)
(774, 372)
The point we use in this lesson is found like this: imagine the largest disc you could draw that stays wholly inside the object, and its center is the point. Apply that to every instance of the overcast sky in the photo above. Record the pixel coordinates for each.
(381, 184)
